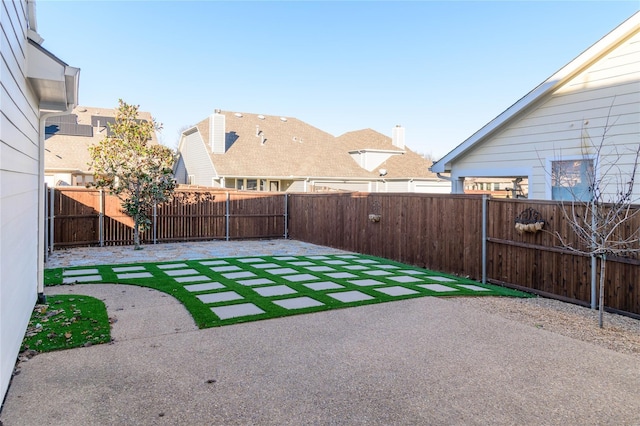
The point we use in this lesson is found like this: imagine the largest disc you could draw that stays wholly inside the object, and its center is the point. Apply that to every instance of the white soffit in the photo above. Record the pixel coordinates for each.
(53, 81)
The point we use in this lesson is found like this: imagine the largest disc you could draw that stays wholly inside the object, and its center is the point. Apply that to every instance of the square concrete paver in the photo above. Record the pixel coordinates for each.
(266, 265)
(300, 277)
(226, 268)
(341, 275)
(257, 281)
(235, 311)
(128, 269)
(396, 291)
(173, 266)
(320, 268)
(243, 274)
(356, 267)
(301, 263)
(203, 287)
(285, 258)
(181, 272)
(192, 278)
(132, 275)
(274, 290)
(214, 262)
(225, 296)
(405, 279)
(336, 262)
(437, 287)
(377, 272)
(318, 257)
(324, 285)
(298, 303)
(365, 282)
(75, 272)
(350, 296)
(281, 271)
(250, 260)
(410, 272)
(473, 287)
(82, 279)
(441, 279)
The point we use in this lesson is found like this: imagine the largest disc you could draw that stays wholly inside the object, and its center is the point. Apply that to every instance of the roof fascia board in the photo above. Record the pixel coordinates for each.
(582, 61)
(379, 151)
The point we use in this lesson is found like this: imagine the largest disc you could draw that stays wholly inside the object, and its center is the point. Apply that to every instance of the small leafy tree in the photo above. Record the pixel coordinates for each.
(137, 172)
(601, 211)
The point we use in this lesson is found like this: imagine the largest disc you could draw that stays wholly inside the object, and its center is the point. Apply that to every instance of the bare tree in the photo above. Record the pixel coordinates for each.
(602, 201)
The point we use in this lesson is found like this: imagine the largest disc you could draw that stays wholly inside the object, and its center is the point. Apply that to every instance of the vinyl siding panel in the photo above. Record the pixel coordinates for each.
(196, 160)
(19, 184)
(603, 101)
(180, 172)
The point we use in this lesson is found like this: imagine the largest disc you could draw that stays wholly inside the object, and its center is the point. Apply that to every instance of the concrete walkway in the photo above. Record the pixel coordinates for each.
(418, 361)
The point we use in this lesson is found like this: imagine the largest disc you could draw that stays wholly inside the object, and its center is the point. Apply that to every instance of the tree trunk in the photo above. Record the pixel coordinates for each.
(603, 265)
(136, 219)
(136, 234)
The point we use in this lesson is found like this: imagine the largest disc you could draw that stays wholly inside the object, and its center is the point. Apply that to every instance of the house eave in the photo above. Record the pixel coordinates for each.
(54, 83)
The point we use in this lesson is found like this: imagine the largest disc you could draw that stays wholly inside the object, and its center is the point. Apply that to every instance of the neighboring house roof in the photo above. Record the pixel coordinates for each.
(272, 146)
(573, 68)
(68, 137)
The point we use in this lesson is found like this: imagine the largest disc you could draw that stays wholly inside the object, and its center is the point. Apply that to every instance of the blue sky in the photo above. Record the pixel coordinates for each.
(440, 69)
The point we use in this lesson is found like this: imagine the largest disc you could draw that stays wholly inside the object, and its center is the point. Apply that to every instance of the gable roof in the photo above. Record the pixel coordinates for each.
(605, 45)
(285, 147)
(69, 137)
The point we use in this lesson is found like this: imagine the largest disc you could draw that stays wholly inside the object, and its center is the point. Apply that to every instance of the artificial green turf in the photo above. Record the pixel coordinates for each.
(67, 321)
(204, 317)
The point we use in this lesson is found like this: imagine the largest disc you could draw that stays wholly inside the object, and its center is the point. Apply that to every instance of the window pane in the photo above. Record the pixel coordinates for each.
(252, 184)
(571, 179)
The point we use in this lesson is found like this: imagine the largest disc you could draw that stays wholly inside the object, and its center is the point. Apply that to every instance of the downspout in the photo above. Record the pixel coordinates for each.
(42, 198)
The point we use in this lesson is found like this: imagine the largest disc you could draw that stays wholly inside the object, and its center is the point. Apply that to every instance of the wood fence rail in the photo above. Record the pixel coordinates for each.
(439, 232)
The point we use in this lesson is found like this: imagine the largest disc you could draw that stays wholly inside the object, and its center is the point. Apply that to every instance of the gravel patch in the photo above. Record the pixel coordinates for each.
(620, 333)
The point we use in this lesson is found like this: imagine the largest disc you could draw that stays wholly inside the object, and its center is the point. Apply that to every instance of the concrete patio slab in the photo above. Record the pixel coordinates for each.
(418, 361)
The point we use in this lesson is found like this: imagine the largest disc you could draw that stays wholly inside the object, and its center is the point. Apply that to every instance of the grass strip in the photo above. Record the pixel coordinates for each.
(343, 272)
(67, 321)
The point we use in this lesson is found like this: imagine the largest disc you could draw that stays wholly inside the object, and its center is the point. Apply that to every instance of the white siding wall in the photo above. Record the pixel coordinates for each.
(19, 183)
(196, 160)
(562, 125)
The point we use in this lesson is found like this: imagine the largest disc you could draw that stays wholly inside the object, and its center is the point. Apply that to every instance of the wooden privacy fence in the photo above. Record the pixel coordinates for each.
(466, 235)
(90, 217)
(445, 233)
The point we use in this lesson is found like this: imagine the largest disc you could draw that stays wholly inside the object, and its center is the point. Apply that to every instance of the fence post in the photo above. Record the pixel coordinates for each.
(52, 215)
(227, 219)
(101, 219)
(286, 216)
(47, 223)
(484, 238)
